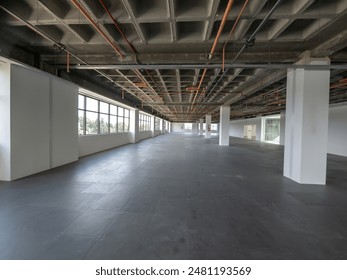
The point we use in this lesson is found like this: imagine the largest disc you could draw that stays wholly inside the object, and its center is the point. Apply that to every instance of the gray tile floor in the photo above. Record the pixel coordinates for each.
(175, 197)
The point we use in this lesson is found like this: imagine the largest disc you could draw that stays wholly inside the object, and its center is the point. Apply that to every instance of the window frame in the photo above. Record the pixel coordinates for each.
(83, 108)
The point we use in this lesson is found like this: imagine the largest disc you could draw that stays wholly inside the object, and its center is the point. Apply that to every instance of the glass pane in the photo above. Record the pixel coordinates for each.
(272, 130)
(188, 126)
(126, 113)
(80, 101)
(113, 110)
(80, 122)
(113, 124)
(120, 111)
(126, 125)
(92, 104)
(91, 123)
(103, 123)
(120, 124)
(103, 107)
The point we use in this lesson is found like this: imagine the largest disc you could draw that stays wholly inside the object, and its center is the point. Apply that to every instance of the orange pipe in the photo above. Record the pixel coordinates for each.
(338, 85)
(224, 19)
(117, 26)
(102, 33)
(232, 30)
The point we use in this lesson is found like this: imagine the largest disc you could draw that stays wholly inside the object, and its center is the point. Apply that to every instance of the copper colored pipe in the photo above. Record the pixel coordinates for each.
(224, 19)
(338, 85)
(117, 26)
(232, 30)
(102, 33)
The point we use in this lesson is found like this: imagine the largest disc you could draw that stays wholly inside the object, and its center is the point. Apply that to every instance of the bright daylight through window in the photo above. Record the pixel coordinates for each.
(98, 117)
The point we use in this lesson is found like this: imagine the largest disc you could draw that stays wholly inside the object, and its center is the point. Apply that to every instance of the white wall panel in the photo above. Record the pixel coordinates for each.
(64, 141)
(29, 122)
(237, 127)
(89, 144)
(337, 130)
(144, 135)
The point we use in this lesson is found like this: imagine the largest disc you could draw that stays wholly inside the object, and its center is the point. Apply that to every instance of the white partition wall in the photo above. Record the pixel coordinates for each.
(337, 133)
(40, 134)
(30, 122)
(64, 143)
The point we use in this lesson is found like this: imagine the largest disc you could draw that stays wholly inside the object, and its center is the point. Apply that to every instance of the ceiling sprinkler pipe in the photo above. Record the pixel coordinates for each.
(249, 40)
(224, 19)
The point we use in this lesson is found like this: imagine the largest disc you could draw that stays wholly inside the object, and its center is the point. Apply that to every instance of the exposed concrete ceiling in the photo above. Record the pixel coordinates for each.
(157, 52)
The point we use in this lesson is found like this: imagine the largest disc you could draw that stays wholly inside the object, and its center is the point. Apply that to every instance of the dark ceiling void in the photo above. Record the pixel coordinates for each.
(157, 54)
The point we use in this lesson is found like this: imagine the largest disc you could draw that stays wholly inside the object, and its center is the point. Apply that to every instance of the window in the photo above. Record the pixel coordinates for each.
(188, 126)
(99, 117)
(144, 122)
(270, 131)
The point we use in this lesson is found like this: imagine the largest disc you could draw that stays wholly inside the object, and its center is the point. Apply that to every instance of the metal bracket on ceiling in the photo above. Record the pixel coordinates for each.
(60, 47)
(249, 42)
(128, 58)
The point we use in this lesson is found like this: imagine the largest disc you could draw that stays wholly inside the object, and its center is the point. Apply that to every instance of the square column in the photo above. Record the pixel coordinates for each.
(194, 128)
(208, 127)
(162, 127)
(153, 125)
(134, 125)
(306, 133)
(224, 125)
(201, 130)
(197, 128)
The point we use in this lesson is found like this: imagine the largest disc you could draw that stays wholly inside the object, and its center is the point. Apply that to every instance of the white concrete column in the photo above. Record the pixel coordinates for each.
(201, 130)
(307, 108)
(194, 128)
(134, 125)
(224, 125)
(153, 125)
(162, 125)
(5, 121)
(197, 127)
(208, 126)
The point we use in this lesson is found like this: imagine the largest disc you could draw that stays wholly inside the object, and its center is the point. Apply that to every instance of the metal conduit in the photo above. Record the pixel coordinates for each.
(248, 43)
(62, 47)
(224, 19)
